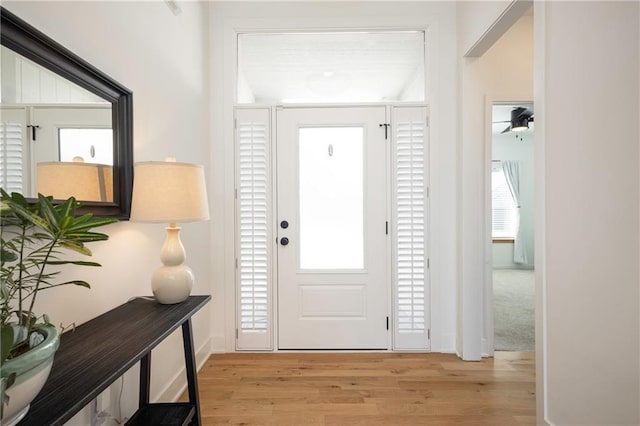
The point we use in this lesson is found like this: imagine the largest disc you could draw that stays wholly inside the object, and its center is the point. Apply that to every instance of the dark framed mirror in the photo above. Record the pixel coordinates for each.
(91, 91)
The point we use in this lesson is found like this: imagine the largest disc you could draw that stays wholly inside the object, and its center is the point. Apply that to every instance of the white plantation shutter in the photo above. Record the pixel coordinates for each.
(410, 202)
(253, 205)
(12, 151)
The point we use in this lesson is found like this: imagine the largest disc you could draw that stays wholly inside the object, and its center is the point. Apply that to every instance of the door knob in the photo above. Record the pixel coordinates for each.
(284, 224)
(284, 241)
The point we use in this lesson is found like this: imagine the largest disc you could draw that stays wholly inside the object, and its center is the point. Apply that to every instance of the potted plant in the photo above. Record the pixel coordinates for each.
(34, 237)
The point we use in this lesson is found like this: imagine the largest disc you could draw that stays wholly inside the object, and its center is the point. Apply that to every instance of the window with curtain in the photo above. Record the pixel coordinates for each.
(503, 207)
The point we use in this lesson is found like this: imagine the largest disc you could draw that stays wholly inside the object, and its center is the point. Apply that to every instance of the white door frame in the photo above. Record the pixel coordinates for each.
(488, 341)
(389, 259)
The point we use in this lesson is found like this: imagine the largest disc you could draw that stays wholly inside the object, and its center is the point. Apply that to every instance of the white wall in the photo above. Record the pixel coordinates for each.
(507, 147)
(160, 57)
(503, 73)
(475, 18)
(587, 60)
(440, 20)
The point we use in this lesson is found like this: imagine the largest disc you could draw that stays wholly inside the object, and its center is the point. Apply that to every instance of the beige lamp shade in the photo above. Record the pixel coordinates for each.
(84, 181)
(169, 192)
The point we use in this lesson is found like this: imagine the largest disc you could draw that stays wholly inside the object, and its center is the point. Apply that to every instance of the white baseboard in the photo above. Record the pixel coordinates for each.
(177, 386)
(484, 348)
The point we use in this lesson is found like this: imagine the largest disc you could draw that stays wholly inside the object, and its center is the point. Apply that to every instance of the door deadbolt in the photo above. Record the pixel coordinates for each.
(284, 241)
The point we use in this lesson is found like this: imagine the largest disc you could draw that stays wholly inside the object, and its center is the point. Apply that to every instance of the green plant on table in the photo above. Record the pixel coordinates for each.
(35, 237)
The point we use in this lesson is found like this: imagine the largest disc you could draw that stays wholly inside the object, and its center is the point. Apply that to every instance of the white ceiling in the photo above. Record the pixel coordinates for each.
(502, 114)
(331, 67)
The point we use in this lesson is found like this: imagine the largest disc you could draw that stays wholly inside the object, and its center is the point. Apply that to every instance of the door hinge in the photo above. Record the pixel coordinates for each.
(235, 123)
(235, 193)
(428, 334)
(236, 333)
(427, 121)
(428, 263)
(236, 263)
(386, 227)
(427, 192)
(387, 323)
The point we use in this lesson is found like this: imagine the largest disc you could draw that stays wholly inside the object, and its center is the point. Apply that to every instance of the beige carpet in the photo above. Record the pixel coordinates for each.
(513, 310)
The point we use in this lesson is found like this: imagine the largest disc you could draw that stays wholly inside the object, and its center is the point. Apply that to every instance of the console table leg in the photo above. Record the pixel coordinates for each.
(192, 374)
(145, 380)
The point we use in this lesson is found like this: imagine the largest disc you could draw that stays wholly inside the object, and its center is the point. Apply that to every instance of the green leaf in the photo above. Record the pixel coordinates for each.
(6, 342)
(4, 290)
(86, 222)
(78, 247)
(49, 213)
(74, 282)
(18, 332)
(5, 383)
(29, 216)
(78, 283)
(72, 262)
(68, 208)
(65, 222)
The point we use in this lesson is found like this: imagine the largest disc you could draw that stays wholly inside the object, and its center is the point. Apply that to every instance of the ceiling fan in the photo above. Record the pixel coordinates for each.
(520, 119)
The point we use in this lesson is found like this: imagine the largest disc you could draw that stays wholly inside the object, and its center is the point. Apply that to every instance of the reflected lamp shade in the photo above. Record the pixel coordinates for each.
(84, 181)
(170, 192)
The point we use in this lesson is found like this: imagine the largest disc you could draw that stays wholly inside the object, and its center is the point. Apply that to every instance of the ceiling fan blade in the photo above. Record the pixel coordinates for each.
(506, 130)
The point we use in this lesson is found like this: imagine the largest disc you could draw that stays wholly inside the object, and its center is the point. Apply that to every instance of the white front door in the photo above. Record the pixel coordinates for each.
(332, 280)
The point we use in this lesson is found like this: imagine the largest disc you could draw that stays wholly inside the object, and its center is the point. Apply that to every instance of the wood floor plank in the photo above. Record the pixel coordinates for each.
(322, 389)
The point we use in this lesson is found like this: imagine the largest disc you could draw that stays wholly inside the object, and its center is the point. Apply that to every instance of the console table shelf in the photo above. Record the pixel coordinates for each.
(96, 353)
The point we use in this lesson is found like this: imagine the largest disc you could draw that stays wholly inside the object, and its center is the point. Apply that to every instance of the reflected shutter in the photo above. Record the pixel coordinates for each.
(410, 227)
(12, 152)
(253, 206)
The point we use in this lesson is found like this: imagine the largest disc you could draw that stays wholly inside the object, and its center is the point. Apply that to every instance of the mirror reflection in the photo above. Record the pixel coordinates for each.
(56, 138)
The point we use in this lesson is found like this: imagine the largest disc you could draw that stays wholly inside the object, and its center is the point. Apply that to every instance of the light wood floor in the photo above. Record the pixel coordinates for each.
(367, 389)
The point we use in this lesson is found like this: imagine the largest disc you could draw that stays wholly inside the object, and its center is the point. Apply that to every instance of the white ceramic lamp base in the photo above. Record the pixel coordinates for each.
(172, 282)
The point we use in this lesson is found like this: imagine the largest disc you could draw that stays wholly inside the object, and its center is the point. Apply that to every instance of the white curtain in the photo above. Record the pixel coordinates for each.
(511, 171)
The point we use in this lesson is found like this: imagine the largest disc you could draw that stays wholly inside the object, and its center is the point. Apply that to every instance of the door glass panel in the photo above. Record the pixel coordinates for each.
(331, 181)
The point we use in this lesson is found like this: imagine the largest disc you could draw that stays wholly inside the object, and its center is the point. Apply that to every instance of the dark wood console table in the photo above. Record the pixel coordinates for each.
(101, 350)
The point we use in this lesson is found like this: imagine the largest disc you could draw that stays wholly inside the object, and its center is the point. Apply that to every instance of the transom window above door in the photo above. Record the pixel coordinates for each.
(331, 67)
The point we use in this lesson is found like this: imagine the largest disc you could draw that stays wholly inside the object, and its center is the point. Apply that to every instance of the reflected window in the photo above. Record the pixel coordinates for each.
(92, 145)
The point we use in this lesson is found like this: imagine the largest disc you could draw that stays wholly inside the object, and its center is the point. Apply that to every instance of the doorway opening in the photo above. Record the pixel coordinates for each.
(512, 232)
(332, 191)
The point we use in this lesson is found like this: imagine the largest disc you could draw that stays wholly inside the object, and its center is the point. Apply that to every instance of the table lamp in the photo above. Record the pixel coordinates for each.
(170, 192)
